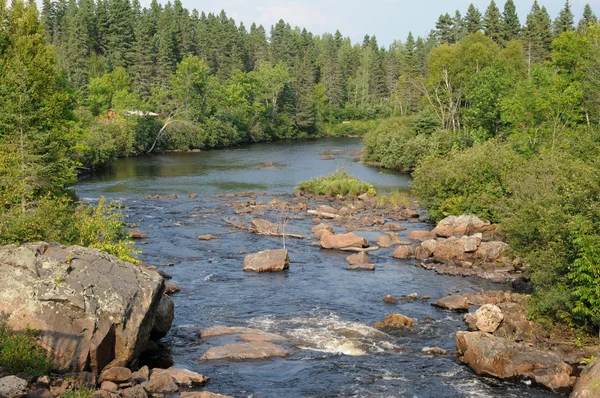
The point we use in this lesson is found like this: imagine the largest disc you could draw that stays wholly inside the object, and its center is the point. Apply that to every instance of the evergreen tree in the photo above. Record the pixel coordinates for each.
(589, 18)
(144, 55)
(458, 28)
(258, 48)
(473, 23)
(443, 29)
(492, 25)
(511, 26)
(537, 35)
(565, 20)
(119, 34)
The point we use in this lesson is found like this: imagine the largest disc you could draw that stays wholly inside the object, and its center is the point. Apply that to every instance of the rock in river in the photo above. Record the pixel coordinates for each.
(244, 351)
(91, 307)
(343, 241)
(395, 321)
(588, 385)
(267, 261)
(504, 359)
(453, 302)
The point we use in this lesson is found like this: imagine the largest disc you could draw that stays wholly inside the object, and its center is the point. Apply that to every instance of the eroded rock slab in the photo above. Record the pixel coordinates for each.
(244, 351)
(343, 241)
(267, 261)
(453, 302)
(504, 359)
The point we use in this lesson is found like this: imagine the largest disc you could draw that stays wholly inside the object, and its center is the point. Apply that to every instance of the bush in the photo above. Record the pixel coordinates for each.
(471, 181)
(339, 182)
(81, 392)
(19, 352)
(350, 128)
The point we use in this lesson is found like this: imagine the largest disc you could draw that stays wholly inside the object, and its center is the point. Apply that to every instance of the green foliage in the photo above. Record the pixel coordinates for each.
(19, 352)
(339, 182)
(394, 198)
(351, 128)
(81, 392)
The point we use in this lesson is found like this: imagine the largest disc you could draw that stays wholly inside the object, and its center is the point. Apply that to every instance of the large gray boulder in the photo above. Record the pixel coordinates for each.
(91, 308)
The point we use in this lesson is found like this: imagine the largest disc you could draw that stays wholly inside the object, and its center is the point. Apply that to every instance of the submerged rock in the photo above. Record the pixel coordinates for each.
(504, 359)
(267, 261)
(91, 307)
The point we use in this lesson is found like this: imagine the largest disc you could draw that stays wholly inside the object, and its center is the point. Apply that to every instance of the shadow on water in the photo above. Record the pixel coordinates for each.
(326, 311)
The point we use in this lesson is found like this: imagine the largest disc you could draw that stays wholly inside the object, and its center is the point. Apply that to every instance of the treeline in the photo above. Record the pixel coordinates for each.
(212, 81)
(506, 125)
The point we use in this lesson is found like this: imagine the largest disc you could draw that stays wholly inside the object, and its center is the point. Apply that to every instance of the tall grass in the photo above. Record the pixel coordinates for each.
(340, 182)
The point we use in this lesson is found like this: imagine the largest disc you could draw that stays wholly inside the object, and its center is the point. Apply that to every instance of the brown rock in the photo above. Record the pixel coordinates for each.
(101, 311)
(390, 300)
(109, 386)
(453, 302)
(409, 213)
(160, 383)
(421, 235)
(141, 375)
(358, 258)
(421, 253)
(343, 241)
(588, 385)
(208, 237)
(321, 227)
(117, 375)
(321, 233)
(134, 392)
(193, 195)
(433, 351)
(504, 359)
(267, 261)
(265, 227)
(244, 351)
(246, 333)
(461, 225)
(404, 252)
(171, 288)
(395, 321)
(388, 240)
(361, 267)
(491, 251)
(136, 234)
(184, 377)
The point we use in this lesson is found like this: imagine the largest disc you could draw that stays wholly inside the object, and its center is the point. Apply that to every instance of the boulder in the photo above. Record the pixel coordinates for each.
(134, 392)
(461, 225)
(422, 254)
(109, 386)
(183, 377)
(507, 360)
(208, 237)
(358, 258)
(343, 241)
(163, 317)
(453, 302)
(421, 235)
(91, 307)
(13, 387)
(118, 374)
(388, 240)
(588, 385)
(160, 383)
(404, 252)
(321, 233)
(171, 288)
(322, 227)
(491, 251)
(390, 300)
(267, 261)
(244, 351)
(488, 318)
(395, 321)
(265, 227)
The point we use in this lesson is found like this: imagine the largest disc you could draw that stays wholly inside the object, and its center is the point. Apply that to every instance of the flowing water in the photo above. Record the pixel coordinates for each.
(325, 311)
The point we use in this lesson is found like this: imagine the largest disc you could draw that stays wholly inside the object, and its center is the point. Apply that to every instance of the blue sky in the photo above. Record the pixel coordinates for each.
(387, 19)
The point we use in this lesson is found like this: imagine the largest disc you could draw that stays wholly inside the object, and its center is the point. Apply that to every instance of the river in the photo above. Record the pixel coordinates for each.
(324, 309)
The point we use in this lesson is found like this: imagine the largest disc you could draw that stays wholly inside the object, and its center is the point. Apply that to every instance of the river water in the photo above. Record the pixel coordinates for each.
(324, 310)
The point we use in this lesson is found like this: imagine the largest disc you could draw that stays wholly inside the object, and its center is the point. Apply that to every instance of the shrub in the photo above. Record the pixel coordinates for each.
(81, 392)
(19, 352)
(394, 198)
(339, 182)
(470, 181)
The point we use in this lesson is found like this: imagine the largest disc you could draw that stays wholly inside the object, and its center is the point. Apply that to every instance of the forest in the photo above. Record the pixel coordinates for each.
(490, 117)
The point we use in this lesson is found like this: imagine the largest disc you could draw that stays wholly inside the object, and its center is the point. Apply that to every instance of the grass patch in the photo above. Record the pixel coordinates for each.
(395, 198)
(340, 182)
(81, 392)
(19, 353)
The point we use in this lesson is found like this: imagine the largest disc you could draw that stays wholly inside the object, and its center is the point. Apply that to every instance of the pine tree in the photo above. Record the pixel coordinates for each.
(143, 55)
(48, 18)
(511, 26)
(565, 20)
(473, 23)
(331, 75)
(119, 35)
(589, 18)
(537, 35)
(492, 24)
(458, 28)
(258, 48)
(443, 29)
